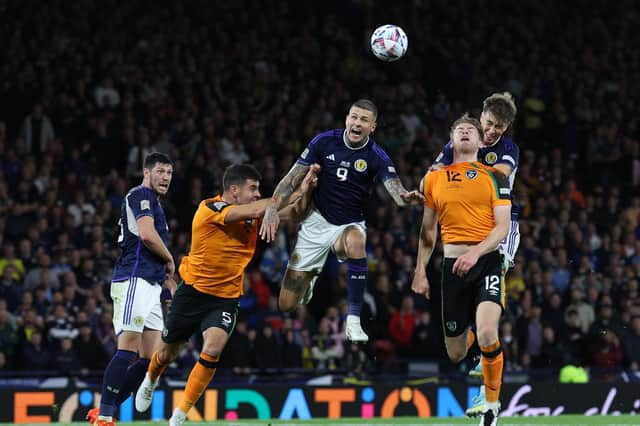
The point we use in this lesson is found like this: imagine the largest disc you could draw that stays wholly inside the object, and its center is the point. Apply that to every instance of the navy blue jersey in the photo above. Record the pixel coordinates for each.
(504, 151)
(347, 175)
(136, 259)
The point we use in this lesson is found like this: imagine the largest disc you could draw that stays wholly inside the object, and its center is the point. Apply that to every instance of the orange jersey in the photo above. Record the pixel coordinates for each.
(464, 196)
(219, 252)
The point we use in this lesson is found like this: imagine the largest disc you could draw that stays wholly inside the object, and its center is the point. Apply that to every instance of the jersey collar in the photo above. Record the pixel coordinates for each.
(346, 142)
(493, 144)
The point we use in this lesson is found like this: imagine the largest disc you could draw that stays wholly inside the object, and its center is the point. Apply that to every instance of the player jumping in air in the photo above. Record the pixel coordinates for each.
(351, 163)
(501, 152)
(472, 204)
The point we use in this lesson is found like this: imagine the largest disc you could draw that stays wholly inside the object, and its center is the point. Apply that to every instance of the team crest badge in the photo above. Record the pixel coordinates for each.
(360, 165)
(452, 325)
(295, 258)
(138, 321)
(491, 158)
(471, 174)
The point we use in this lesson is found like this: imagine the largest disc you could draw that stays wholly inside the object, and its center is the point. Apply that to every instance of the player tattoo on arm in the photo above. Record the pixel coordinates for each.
(288, 184)
(400, 195)
(280, 198)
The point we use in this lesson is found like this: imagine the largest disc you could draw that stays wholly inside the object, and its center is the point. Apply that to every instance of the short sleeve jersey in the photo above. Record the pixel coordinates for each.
(220, 251)
(504, 151)
(136, 260)
(347, 175)
(464, 196)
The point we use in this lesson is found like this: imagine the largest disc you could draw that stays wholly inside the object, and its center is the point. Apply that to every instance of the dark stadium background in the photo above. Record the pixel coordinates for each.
(88, 87)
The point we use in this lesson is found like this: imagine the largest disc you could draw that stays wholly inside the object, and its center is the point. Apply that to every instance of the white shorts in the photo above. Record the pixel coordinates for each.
(509, 245)
(315, 239)
(136, 305)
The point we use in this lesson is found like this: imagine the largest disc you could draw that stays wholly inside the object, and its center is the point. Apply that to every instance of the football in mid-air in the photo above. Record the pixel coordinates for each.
(389, 43)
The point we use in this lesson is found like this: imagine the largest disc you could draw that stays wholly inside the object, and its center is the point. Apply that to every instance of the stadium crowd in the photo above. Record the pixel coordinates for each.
(90, 87)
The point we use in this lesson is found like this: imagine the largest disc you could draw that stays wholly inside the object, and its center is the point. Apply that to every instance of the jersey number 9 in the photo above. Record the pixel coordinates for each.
(341, 172)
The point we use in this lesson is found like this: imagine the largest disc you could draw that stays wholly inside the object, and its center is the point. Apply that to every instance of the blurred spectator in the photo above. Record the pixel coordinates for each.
(291, 350)
(326, 352)
(37, 131)
(426, 342)
(274, 261)
(8, 338)
(9, 259)
(43, 271)
(90, 353)
(356, 361)
(268, 351)
(65, 358)
(35, 356)
(61, 325)
(585, 312)
(509, 345)
(239, 352)
(607, 354)
(631, 344)
(552, 352)
(10, 288)
(402, 325)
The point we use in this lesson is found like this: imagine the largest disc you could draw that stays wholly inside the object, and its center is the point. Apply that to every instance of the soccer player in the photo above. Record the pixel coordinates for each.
(499, 151)
(471, 202)
(351, 162)
(138, 276)
(224, 233)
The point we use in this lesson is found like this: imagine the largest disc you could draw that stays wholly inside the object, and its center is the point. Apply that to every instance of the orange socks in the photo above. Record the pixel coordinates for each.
(492, 365)
(156, 367)
(199, 379)
(471, 338)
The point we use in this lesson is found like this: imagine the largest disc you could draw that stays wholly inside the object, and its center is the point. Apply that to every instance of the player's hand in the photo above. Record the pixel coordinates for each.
(464, 263)
(171, 285)
(412, 197)
(270, 223)
(420, 284)
(170, 268)
(310, 181)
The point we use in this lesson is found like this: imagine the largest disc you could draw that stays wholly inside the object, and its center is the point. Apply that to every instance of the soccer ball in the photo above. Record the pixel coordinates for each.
(389, 43)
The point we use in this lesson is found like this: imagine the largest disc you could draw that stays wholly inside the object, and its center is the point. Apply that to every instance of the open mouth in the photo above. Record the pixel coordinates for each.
(356, 132)
(465, 139)
(163, 186)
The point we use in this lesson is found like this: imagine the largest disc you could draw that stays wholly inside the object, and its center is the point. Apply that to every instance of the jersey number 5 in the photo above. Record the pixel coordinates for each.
(341, 172)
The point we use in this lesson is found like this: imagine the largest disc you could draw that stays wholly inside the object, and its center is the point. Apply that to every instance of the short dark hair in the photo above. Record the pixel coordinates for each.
(466, 118)
(237, 174)
(502, 106)
(366, 104)
(156, 157)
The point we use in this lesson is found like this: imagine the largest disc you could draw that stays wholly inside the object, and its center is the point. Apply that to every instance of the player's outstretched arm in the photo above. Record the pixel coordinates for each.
(426, 244)
(300, 200)
(259, 208)
(400, 195)
(280, 198)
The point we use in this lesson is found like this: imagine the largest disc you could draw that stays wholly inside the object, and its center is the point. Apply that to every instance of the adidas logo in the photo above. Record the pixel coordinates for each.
(330, 157)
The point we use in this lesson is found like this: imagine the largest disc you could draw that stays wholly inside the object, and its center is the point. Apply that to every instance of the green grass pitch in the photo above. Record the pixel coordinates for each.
(413, 421)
